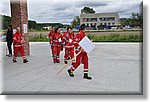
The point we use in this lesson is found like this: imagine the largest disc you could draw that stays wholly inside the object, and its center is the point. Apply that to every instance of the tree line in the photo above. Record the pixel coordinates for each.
(6, 21)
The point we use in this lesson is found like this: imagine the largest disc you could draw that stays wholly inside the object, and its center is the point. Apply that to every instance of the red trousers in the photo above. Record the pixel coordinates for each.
(52, 49)
(81, 58)
(56, 51)
(69, 52)
(19, 49)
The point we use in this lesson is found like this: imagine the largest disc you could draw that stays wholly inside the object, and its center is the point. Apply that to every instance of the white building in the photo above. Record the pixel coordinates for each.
(100, 20)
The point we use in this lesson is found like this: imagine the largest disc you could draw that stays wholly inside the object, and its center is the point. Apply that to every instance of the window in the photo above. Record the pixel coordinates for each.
(109, 24)
(93, 19)
(113, 23)
(91, 24)
(100, 19)
(87, 25)
(85, 19)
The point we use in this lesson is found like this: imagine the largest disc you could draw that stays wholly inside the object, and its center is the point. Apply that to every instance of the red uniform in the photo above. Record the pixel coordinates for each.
(18, 45)
(69, 47)
(50, 36)
(82, 57)
(57, 45)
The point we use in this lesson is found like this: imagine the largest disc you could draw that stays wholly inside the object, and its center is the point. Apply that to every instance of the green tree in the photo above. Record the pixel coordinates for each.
(87, 10)
(75, 22)
(136, 20)
(6, 20)
(32, 24)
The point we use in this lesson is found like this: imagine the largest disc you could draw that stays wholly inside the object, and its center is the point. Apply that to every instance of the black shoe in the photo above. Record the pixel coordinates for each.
(65, 62)
(68, 58)
(10, 55)
(25, 61)
(58, 61)
(14, 60)
(70, 73)
(86, 76)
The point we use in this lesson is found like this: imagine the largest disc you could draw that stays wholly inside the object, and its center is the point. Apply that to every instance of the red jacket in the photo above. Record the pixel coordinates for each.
(68, 39)
(57, 39)
(78, 38)
(18, 39)
(50, 36)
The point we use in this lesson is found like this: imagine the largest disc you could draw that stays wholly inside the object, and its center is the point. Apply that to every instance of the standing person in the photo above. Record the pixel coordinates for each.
(18, 44)
(57, 45)
(50, 36)
(69, 47)
(9, 40)
(82, 57)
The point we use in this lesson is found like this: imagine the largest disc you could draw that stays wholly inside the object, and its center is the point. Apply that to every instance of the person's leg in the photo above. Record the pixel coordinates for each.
(23, 54)
(85, 62)
(55, 53)
(66, 56)
(71, 51)
(52, 51)
(15, 54)
(75, 65)
(8, 46)
(58, 53)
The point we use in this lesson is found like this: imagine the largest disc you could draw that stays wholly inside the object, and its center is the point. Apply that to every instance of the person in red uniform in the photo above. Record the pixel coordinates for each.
(50, 36)
(18, 45)
(57, 45)
(82, 57)
(69, 47)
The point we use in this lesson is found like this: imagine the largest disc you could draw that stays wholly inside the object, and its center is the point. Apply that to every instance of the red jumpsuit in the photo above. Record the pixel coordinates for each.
(69, 47)
(57, 41)
(50, 36)
(18, 45)
(82, 57)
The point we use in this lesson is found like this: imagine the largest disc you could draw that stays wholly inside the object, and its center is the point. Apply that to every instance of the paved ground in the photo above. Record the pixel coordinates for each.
(115, 68)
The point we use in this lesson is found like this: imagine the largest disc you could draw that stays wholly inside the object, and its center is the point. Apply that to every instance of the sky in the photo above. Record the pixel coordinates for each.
(64, 11)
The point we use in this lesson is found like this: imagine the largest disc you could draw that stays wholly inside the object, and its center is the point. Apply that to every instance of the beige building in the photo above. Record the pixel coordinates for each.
(100, 20)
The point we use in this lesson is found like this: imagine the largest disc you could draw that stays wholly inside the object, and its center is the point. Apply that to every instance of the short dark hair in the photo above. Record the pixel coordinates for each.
(69, 28)
(82, 27)
(53, 27)
(56, 29)
(10, 26)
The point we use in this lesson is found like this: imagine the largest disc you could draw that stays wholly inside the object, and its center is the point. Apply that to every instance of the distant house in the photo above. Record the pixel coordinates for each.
(100, 20)
(47, 28)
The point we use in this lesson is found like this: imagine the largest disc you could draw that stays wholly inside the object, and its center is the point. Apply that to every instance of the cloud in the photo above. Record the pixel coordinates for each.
(64, 11)
(91, 3)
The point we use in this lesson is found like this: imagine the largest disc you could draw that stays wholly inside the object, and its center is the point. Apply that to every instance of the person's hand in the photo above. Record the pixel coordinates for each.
(22, 42)
(82, 50)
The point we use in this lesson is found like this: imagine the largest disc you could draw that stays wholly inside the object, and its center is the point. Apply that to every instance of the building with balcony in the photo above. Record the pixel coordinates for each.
(100, 20)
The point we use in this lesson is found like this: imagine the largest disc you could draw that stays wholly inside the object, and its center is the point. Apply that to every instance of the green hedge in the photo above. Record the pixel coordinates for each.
(38, 38)
(97, 38)
(116, 38)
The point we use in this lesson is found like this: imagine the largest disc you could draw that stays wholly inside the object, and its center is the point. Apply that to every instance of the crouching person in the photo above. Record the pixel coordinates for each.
(18, 45)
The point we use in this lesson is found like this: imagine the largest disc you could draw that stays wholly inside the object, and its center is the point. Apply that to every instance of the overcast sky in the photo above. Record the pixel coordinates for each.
(64, 11)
